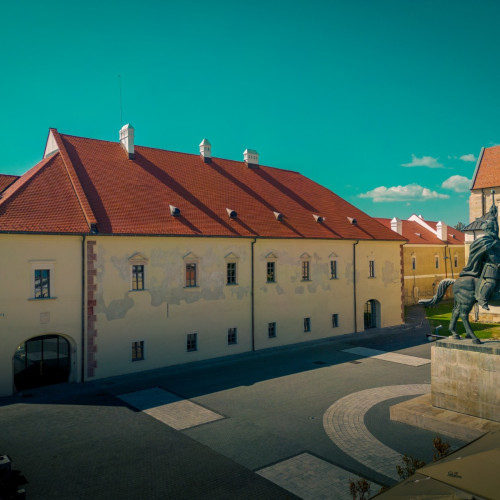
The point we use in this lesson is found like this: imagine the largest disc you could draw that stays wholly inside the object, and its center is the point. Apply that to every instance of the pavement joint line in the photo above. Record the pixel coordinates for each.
(355, 440)
(170, 409)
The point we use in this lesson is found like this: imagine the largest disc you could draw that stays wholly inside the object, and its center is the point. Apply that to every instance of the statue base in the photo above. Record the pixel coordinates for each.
(465, 391)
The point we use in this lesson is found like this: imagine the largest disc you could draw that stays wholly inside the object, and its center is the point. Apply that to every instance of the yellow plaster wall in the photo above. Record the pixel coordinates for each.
(21, 316)
(167, 311)
(426, 273)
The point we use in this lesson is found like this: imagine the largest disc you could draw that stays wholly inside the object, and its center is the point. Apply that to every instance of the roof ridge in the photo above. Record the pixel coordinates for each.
(74, 179)
(22, 180)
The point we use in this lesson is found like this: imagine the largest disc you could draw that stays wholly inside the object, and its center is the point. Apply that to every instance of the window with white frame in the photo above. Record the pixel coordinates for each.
(42, 280)
(192, 342)
(371, 268)
(138, 277)
(232, 336)
(231, 273)
(333, 269)
(191, 275)
(42, 284)
(271, 330)
(138, 350)
(137, 271)
(335, 320)
(271, 271)
(305, 264)
(307, 325)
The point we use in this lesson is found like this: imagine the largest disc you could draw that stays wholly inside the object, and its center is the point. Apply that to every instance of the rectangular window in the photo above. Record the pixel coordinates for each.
(305, 270)
(191, 275)
(436, 261)
(455, 261)
(232, 336)
(413, 263)
(138, 351)
(138, 277)
(192, 342)
(42, 284)
(307, 324)
(335, 320)
(371, 265)
(271, 272)
(333, 269)
(271, 330)
(231, 273)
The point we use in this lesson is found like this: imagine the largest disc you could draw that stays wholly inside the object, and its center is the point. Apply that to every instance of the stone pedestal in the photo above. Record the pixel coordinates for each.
(465, 391)
(465, 377)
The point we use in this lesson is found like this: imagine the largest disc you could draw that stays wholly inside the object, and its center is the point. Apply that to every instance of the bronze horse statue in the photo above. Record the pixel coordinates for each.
(464, 291)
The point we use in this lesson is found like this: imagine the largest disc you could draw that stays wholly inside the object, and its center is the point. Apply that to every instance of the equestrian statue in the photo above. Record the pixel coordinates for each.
(478, 280)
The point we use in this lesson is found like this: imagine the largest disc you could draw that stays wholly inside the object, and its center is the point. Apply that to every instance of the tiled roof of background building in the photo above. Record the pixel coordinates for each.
(88, 181)
(6, 181)
(418, 234)
(487, 173)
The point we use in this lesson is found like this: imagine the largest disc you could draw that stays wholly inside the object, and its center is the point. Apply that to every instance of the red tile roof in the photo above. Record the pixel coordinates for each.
(6, 181)
(91, 181)
(487, 174)
(418, 234)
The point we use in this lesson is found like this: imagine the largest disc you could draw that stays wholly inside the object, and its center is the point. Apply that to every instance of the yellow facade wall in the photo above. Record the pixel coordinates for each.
(21, 316)
(166, 311)
(422, 282)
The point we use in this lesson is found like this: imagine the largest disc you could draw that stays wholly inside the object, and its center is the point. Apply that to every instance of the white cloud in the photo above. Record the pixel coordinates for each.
(457, 183)
(410, 192)
(470, 157)
(425, 161)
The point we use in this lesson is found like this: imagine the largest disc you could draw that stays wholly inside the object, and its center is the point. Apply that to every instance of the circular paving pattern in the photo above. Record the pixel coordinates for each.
(344, 422)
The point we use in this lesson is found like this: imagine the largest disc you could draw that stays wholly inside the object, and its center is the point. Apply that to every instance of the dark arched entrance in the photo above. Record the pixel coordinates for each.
(41, 361)
(371, 314)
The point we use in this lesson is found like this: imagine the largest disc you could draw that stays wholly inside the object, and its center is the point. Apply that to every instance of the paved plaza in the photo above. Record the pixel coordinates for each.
(296, 422)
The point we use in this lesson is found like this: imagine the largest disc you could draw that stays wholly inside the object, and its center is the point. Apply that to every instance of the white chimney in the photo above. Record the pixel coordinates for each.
(251, 158)
(127, 140)
(206, 150)
(397, 225)
(442, 231)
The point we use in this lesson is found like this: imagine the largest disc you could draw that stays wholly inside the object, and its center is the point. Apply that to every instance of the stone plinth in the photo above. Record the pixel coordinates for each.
(465, 377)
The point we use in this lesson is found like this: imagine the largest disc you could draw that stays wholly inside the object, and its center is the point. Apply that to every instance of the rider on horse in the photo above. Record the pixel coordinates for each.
(484, 259)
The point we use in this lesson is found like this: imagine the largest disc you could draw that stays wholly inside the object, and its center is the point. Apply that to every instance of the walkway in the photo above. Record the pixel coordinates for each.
(344, 424)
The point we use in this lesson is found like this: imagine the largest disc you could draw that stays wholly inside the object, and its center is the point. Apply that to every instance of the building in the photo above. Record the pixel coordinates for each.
(434, 251)
(485, 190)
(121, 258)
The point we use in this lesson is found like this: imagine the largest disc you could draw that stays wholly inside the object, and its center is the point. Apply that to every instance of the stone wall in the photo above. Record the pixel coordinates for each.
(466, 377)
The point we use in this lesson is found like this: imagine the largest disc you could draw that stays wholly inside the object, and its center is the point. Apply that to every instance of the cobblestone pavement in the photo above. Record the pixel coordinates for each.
(393, 357)
(344, 424)
(311, 478)
(170, 409)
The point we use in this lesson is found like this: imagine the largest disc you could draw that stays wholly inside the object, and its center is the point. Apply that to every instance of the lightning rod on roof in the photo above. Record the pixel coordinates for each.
(120, 85)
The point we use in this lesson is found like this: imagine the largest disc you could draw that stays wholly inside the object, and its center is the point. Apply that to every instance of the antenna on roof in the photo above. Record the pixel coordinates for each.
(120, 85)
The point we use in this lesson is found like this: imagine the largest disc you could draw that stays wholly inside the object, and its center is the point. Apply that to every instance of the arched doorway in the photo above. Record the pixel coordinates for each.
(372, 314)
(43, 360)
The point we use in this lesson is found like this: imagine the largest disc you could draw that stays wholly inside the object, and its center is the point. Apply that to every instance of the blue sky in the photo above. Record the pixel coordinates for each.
(387, 103)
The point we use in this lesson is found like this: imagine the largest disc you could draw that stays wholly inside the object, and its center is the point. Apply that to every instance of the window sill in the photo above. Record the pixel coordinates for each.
(141, 290)
(192, 350)
(305, 280)
(270, 282)
(41, 299)
(192, 286)
(371, 277)
(334, 278)
(232, 284)
(135, 360)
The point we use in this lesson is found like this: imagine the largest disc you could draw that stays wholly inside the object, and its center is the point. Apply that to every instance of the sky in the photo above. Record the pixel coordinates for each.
(385, 102)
